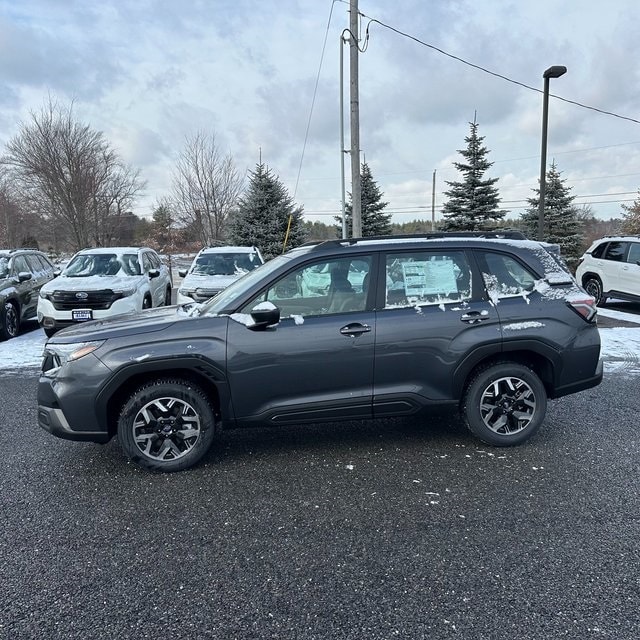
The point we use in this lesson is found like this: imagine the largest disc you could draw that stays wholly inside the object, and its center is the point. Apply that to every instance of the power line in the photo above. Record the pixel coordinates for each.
(313, 100)
(493, 73)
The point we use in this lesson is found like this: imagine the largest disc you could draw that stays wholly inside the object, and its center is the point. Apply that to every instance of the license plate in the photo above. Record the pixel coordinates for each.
(80, 315)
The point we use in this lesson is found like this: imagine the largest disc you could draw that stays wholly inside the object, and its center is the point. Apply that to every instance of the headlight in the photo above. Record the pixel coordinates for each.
(125, 293)
(190, 293)
(46, 295)
(56, 355)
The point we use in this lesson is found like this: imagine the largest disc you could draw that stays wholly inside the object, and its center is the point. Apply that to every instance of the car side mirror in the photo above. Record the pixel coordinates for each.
(24, 275)
(264, 317)
(182, 273)
(56, 272)
(154, 273)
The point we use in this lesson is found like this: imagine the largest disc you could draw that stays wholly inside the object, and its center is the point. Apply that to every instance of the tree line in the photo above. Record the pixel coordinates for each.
(63, 188)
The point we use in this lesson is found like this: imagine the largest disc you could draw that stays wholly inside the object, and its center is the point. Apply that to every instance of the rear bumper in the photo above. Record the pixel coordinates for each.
(583, 384)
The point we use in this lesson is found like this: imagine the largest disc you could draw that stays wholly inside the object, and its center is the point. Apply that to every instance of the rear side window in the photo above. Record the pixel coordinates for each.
(427, 277)
(504, 276)
(615, 251)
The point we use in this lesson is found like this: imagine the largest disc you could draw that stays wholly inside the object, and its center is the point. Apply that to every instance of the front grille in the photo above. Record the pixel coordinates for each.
(96, 300)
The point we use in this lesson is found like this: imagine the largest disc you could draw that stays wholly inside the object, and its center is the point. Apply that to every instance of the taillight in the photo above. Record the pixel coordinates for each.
(584, 306)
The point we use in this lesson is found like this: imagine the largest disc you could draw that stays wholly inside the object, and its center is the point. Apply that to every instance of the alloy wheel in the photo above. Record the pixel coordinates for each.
(166, 428)
(507, 405)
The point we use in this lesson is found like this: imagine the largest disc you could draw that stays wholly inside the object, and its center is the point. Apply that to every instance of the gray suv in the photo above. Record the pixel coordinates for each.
(336, 330)
(23, 272)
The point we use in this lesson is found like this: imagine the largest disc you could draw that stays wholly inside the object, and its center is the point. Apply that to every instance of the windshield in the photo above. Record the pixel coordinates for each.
(102, 264)
(4, 266)
(225, 264)
(224, 301)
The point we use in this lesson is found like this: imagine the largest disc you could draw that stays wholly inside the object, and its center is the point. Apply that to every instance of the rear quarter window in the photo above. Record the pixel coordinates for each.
(504, 276)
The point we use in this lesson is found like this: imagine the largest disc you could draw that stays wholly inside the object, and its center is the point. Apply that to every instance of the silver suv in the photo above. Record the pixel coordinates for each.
(610, 268)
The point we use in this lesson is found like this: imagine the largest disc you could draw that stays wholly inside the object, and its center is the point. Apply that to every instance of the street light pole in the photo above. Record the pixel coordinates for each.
(552, 72)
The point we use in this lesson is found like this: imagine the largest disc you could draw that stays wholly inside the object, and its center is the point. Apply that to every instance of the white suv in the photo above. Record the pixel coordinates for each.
(214, 269)
(610, 268)
(104, 282)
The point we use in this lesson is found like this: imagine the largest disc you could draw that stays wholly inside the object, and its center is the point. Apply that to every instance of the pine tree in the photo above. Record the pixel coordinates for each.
(631, 224)
(562, 225)
(374, 221)
(473, 203)
(266, 216)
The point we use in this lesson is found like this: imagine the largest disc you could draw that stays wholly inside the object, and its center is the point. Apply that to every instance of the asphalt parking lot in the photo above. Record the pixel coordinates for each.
(403, 528)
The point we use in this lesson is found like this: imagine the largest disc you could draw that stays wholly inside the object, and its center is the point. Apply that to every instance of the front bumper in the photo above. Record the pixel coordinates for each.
(54, 421)
(67, 401)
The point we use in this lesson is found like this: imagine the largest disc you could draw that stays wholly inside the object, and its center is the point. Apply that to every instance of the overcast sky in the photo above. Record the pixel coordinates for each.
(149, 73)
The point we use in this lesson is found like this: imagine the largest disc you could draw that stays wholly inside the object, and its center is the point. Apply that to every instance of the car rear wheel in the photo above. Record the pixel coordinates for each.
(9, 322)
(593, 286)
(504, 404)
(166, 425)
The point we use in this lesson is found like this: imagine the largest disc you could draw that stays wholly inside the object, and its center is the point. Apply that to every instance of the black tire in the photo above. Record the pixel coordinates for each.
(593, 286)
(166, 425)
(146, 303)
(9, 321)
(167, 298)
(504, 404)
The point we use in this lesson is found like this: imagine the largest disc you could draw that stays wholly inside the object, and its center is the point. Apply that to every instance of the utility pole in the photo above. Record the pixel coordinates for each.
(356, 197)
(433, 202)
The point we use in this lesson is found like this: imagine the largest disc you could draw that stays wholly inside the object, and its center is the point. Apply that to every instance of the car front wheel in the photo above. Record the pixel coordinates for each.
(166, 425)
(504, 404)
(9, 322)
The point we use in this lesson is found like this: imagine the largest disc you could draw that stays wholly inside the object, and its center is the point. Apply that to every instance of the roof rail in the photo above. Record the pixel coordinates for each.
(511, 234)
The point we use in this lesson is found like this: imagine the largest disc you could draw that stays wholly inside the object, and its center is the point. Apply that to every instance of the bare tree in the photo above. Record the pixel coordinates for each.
(67, 171)
(206, 187)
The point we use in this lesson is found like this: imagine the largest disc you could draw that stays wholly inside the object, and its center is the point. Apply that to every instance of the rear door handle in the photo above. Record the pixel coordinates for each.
(355, 329)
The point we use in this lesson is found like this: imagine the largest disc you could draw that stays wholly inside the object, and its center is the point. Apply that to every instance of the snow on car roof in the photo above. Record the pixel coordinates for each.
(228, 249)
(100, 250)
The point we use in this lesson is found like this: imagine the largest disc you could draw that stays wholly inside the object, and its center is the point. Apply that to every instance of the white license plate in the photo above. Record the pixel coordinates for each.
(80, 315)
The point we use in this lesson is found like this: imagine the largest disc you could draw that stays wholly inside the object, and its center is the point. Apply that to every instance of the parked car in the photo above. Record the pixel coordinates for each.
(610, 268)
(214, 269)
(22, 273)
(492, 327)
(104, 282)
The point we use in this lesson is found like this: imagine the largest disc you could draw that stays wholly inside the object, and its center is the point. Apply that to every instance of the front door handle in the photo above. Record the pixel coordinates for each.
(474, 316)
(355, 329)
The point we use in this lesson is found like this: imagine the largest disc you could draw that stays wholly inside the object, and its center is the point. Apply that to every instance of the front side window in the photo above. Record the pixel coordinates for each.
(504, 276)
(339, 285)
(20, 265)
(427, 277)
(634, 253)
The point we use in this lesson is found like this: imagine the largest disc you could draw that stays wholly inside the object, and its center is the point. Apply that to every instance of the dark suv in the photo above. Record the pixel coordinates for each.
(337, 330)
(22, 274)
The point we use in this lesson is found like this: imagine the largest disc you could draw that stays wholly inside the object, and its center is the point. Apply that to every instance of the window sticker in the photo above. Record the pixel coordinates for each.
(427, 278)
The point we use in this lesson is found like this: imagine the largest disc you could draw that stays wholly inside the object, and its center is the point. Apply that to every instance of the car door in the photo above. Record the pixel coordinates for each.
(27, 292)
(431, 317)
(630, 271)
(316, 364)
(155, 283)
